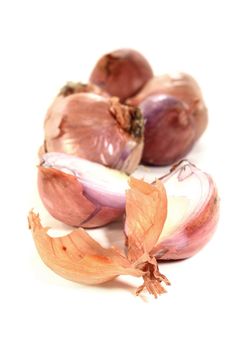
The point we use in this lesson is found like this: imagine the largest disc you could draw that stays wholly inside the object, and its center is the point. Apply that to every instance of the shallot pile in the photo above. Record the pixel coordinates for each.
(95, 136)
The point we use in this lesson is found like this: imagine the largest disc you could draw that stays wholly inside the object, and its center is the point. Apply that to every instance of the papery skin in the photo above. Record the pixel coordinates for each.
(121, 73)
(146, 212)
(192, 235)
(169, 130)
(63, 196)
(181, 86)
(96, 128)
(77, 257)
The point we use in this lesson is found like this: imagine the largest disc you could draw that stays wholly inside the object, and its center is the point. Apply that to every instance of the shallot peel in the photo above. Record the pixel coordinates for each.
(170, 219)
(181, 86)
(146, 212)
(169, 129)
(121, 73)
(79, 258)
(79, 192)
(97, 128)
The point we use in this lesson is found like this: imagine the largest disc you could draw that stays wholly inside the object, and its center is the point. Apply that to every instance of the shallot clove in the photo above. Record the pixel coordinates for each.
(78, 257)
(79, 192)
(193, 212)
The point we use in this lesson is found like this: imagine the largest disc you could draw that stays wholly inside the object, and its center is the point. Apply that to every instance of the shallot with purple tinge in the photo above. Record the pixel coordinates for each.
(79, 192)
(122, 73)
(97, 128)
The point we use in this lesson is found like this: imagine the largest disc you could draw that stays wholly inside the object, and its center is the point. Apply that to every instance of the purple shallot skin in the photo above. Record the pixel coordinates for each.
(79, 192)
(169, 129)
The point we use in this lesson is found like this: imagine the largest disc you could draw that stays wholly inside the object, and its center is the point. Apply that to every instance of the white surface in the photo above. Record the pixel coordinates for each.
(44, 44)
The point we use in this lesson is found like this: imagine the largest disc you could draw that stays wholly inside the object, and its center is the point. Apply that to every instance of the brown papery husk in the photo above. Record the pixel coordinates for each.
(79, 258)
(146, 212)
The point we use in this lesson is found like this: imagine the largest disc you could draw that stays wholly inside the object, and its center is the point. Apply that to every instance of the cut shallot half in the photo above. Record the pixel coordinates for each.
(79, 192)
(193, 212)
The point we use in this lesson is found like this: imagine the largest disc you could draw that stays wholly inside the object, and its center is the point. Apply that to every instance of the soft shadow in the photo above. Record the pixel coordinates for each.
(110, 236)
(117, 284)
(169, 262)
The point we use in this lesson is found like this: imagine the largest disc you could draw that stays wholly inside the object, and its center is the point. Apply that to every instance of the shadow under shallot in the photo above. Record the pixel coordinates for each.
(125, 286)
(111, 235)
(117, 284)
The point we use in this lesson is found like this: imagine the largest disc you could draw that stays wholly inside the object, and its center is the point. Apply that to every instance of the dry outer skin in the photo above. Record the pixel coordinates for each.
(79, 258)
(90, 126)
(73, 88)
(121, 73)
(146, 212)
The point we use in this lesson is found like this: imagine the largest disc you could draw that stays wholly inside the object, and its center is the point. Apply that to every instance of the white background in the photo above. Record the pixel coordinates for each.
(44, 44)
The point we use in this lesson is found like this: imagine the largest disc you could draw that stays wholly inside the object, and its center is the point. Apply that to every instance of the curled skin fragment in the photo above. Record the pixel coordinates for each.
(77, 257)
(146, 212)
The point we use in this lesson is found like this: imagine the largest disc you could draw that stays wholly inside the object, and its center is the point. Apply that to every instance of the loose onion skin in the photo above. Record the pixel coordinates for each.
(121, 73)
(78, 257)
(72, 196)
(196, 229)
(182, 86)
(96, 128)
(169, 130)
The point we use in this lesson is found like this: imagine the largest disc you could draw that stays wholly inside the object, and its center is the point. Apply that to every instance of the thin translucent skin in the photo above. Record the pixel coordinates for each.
(169, 130)
(64, 198)
(78, 257)
(121, 73)
(82, 125)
